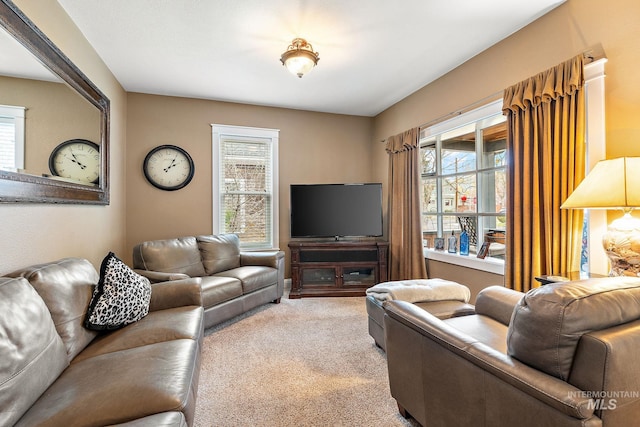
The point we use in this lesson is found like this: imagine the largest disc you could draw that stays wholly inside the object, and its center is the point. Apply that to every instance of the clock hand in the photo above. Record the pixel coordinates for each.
(173, 163)
(74, 160)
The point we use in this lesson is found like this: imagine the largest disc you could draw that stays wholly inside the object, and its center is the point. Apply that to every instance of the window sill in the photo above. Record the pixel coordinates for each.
(490, 265)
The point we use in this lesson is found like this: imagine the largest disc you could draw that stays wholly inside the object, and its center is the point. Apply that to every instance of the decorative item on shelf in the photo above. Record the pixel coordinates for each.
(469, 224)
(464, 243)
(613, 184)
(76, 160)
(168, 167)
(453, 243)
(299, 58)
(438, 244)
(484, 250)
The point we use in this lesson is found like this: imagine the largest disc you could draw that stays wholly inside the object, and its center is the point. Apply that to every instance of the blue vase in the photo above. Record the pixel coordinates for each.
(464, 243)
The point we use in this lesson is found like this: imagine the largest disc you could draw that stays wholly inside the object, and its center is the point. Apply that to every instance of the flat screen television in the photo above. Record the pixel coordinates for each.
(336, 210)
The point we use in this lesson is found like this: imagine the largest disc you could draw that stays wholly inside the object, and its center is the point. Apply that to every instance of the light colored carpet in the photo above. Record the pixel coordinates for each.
(305, 362)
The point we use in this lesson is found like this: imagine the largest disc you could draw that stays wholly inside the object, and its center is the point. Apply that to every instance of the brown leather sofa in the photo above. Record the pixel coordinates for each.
(564, 354)
(233, 281)
(54, 372)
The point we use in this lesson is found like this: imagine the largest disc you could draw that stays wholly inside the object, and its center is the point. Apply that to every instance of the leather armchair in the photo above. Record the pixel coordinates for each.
(560, 355)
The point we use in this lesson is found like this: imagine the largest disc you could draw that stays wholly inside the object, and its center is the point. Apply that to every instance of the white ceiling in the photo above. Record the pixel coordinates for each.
(373, 53)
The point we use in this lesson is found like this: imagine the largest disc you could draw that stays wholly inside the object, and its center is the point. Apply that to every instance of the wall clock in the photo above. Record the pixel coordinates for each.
(168, 167)
(77, 160)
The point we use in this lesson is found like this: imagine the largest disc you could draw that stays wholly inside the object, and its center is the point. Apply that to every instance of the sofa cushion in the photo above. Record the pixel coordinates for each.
(484, 329)
(32, 352)
(120, 386)
(120, 298)
(179, 255)
(158, 326)
(216, 290)
(252, 277)
(66, 287)
(219, 252)
(548, 322)
(498, 303)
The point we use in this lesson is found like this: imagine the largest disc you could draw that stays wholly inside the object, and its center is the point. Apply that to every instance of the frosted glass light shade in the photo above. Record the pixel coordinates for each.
(299, 65)
(299, 57)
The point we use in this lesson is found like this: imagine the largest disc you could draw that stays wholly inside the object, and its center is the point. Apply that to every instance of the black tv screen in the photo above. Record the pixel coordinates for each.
(336, 210)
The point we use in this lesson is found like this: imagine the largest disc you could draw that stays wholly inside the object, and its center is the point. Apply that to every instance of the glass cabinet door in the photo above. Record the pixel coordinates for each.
(359, 276)
(319, 276)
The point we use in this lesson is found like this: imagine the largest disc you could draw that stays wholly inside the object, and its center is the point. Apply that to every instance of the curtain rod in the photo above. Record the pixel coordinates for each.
(594, 53)
(489, 98)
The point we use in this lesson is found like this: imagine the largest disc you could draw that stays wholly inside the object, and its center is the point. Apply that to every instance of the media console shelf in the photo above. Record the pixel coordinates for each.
(342, 268)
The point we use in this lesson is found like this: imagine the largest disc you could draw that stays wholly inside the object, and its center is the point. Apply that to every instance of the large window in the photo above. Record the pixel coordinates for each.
(245, 183)
(463, 164)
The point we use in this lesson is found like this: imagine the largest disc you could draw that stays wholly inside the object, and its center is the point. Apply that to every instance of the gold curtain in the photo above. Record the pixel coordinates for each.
(546, 149)
(406, 259)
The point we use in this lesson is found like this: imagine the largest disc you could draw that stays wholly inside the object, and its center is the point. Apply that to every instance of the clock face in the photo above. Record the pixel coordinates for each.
(77, 160)
(168, 167)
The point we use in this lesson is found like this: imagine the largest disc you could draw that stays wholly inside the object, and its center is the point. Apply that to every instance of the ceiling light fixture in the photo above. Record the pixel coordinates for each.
(299, 57)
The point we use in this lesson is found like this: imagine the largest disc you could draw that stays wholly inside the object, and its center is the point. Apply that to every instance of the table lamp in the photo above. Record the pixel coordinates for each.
(614, 184)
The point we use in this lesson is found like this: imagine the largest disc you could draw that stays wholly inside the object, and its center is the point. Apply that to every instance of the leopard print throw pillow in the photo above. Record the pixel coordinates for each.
(121, 296)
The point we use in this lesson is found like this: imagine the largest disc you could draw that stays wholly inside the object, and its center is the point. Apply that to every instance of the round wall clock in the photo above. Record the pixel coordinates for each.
(77, 160)
(168, 167)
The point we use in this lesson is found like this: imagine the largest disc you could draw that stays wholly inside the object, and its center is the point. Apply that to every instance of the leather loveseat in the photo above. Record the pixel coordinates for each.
(560, 355)
(232, 281)
(55, 372)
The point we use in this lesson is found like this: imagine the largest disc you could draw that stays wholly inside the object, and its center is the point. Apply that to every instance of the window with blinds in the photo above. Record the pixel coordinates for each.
(244, 183)
(11, 138)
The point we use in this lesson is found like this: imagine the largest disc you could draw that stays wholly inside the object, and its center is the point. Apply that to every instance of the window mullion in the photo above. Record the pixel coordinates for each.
(439, 204)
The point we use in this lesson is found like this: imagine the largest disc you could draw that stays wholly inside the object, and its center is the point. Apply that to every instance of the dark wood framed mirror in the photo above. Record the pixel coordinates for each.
(65, 105)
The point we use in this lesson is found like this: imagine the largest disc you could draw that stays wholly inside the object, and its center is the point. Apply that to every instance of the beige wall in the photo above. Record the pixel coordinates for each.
(566, 31)
(40, 233)
(313, 148)
(475, 280)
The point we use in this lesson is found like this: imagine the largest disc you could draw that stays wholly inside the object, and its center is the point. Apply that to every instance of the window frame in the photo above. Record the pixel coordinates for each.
(490, 112)
(16, 116)
(250, 134)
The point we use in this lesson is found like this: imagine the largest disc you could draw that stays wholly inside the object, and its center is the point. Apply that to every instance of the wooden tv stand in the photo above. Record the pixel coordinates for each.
(341, 268)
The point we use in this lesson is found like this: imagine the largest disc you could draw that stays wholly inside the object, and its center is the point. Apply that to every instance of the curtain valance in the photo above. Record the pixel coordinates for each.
(563, 79)
(405, 141)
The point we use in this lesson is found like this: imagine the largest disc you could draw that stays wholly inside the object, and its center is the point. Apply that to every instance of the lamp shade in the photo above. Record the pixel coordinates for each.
(611, 184)
(299, 63)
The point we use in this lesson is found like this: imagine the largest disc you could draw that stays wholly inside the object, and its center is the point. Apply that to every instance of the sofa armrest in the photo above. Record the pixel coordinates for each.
(273, 259)
(547, 389)
(176, 293)
(498, 303)
(159, 276)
